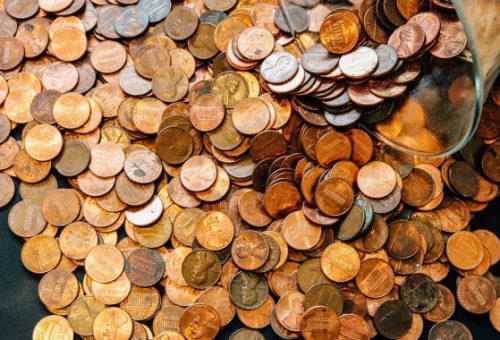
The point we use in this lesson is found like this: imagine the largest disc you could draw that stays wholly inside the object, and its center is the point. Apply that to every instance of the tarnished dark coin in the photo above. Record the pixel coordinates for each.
(419, 292)
(393, 319)
(463, 178)
(248, 290)
(131, 22)
(201, 269)
(144, 267)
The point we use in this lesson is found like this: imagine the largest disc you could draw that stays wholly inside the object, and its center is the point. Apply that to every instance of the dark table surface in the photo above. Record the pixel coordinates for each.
(20, 308)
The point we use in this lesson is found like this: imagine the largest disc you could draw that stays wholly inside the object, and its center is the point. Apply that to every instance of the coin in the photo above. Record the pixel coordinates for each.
(8, 189)
(63, 279)
(144, 267)
(450, 326)
(200, 321)
(420, 292)
(104, 263)
(393, 319)
(468, 259)
(87, 306)
(340, 31)
(114, 321)
(340, 262)
(476, 294)
(53, 326)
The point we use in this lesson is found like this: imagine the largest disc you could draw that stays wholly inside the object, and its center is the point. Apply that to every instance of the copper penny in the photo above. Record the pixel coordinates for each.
(104, 263)
(376, 179)
(464, 250)
(476, 294)
(107, 159)
(340, 262)
(334, 196)
(250, 250)
(199, 321)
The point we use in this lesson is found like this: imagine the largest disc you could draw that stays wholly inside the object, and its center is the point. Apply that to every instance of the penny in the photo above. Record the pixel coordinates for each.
(464, 250)
(393, 319)
(299, 233)
(131, 22)
(418, 188)
(320, 321)
(207, 112)
(340, 31)
(352, 325)
(113, 321)
(444, 308)
(451, 40)
(379, 185)
(490, 242)
(60, 207)
(60, 76)
(202, 44)
(35, 39)
(60, 278)
(340, 262)
(198, 173)
(403, 232)
(178, 151)
(290, 311)
(53, 326)
(375, 278)
(199, 320)
(86, 306)
(169, 84)
(494, 315)
(108, 57)
(104, 263)
(214, 230)
(144, 267)
(252, 211)
(463, 179)
(71, 110)
(73, 159)
(219, 299)
(334, 197)
(43, 142)
(8, 189)
(106, 159)
(407, 40)
(420, 293)
(146, 214)
(445, 328)
(476, 294)
(13, 49)
(40, 254)
(250, 107)
(142, 166)
(324, 294)
(68, 44)
(279, 67)
(250, 250)
(77, 240)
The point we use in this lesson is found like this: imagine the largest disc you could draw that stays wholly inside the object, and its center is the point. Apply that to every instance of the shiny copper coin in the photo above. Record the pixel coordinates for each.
(407, 40)
(476, 294)
(290, 310)
(114, 321)
(340, 262)
(60, 207)
(334, 196)
(214, 230)
(464, 250)
(67, 283)
(250, 250)
(40, 254)
(8, 191)
(340, 31)
(104, 263)
(199, 321)
(320, 321)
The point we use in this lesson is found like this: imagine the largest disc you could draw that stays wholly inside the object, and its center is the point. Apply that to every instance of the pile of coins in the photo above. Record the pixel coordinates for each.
(216, 169)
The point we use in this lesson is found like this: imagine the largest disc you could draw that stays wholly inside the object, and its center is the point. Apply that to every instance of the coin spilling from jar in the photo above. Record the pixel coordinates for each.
(217, 169)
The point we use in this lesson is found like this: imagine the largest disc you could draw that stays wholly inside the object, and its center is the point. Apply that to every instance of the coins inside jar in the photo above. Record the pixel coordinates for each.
(210, 164)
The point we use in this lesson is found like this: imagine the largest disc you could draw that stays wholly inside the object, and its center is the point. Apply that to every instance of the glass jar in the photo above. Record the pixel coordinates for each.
(440, 113)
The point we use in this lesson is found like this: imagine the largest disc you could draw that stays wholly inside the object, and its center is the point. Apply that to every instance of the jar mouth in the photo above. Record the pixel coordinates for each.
(451, 92)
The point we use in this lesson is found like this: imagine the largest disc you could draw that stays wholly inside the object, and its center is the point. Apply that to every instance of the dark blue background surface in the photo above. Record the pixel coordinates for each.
(20, 308)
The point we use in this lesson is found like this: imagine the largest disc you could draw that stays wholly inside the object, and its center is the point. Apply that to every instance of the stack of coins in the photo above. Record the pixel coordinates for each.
(215, 169)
